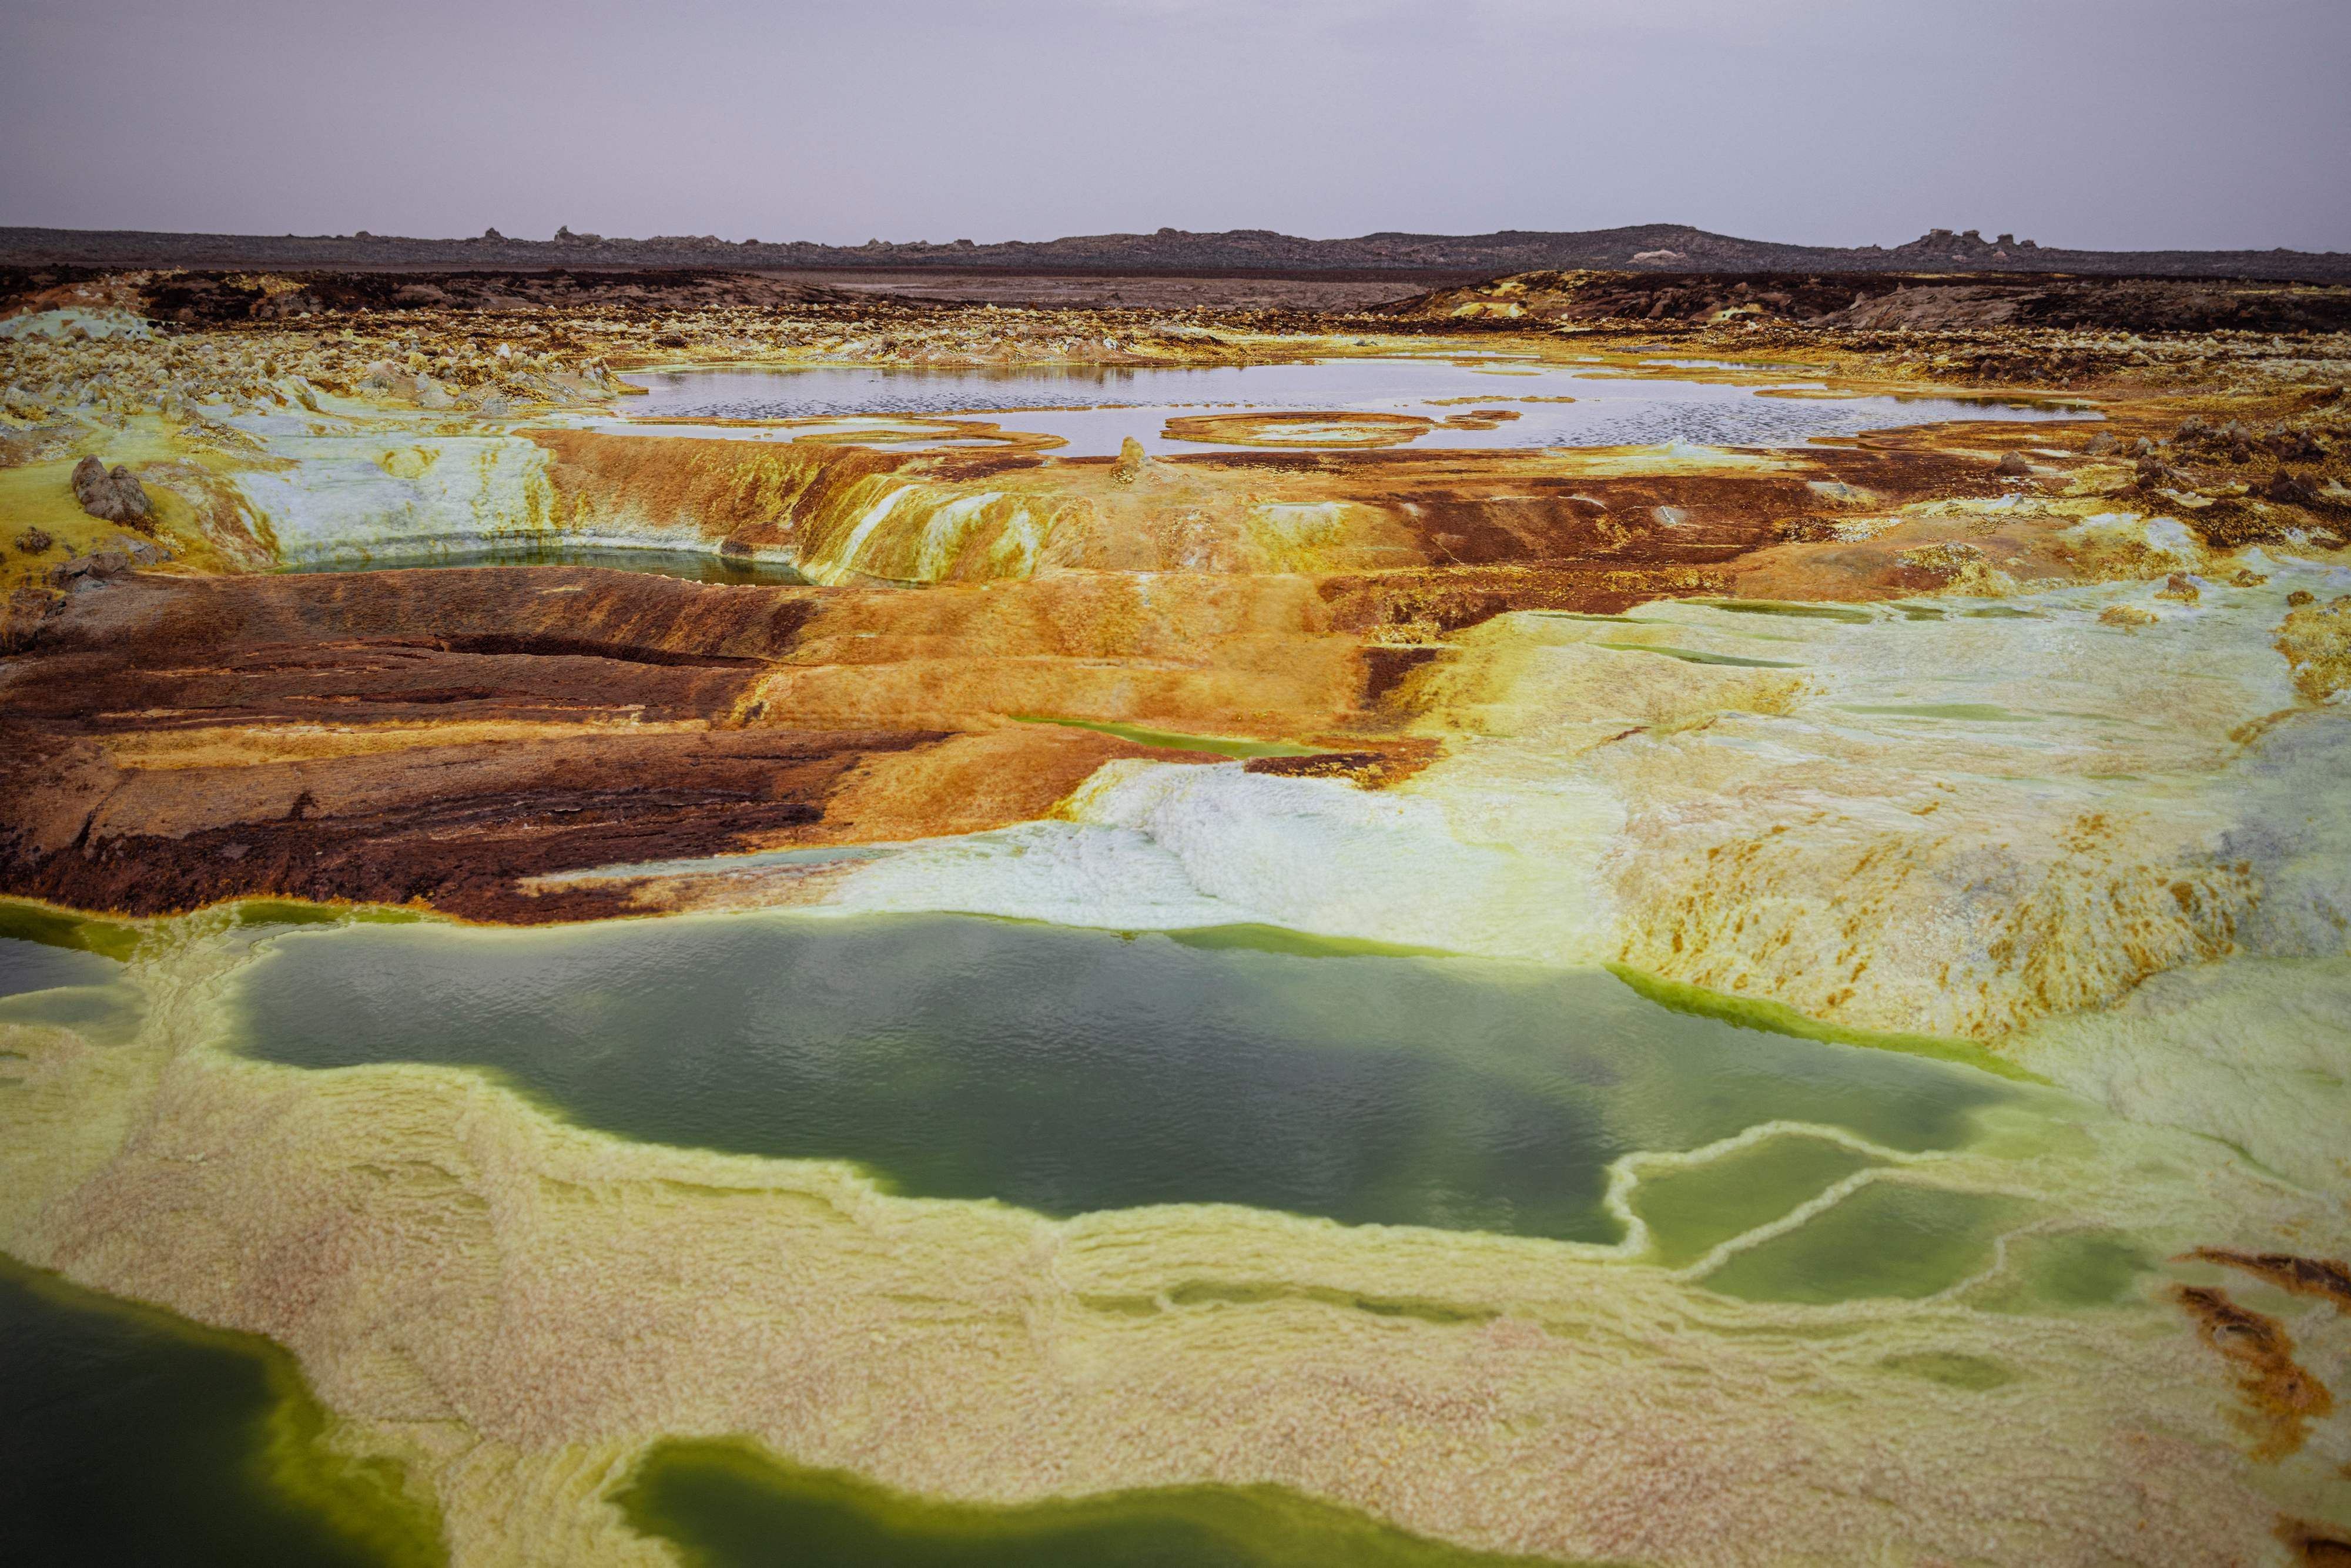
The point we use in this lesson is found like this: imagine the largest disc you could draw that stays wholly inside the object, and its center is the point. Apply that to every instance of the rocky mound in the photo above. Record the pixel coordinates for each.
(1880, 301)
(1664, 248)
(216, 298)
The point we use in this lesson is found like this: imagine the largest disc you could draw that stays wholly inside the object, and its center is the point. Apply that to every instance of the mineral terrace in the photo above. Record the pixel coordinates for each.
(2026, 736)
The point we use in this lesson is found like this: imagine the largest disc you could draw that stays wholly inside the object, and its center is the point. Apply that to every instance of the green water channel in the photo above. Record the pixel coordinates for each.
(38, 925)
(133, 1437)
(689, 565)
(1850, 615)
(1697, 656)
(1176, 741)
(731, 1505)
(1069, 1070)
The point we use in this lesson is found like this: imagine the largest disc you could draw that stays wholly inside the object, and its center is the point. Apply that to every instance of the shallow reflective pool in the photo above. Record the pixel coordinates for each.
(1094, 410)
(30, 966)
(692, 566)
(1069, 1071)
(65, 972)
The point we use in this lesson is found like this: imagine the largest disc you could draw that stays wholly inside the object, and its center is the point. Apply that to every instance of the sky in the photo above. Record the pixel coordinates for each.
(2111, 124)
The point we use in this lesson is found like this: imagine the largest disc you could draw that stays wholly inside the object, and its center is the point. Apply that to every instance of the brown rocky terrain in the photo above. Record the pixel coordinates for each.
(1924, 300)
(179, 727)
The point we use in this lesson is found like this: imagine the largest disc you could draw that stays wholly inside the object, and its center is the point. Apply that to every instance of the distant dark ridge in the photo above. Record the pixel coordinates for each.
(1663, 247)
(1884, 301)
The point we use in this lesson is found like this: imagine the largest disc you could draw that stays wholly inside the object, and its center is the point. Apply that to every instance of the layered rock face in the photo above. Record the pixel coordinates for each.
(2022, 745)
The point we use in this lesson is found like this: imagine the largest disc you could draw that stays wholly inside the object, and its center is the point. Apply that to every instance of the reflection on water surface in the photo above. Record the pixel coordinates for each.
(1071, 1071)
(27, 966)
(693, 566)
(1095, 409)
(65, 972)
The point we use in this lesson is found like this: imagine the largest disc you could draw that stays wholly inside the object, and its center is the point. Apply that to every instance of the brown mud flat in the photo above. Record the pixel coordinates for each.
(1854, 301)
(213, 298)
(675, 308)
(1338, 294)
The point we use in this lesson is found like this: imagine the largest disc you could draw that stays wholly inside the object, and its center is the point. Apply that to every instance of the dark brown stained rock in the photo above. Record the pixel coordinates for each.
(2315, 1545)
(2281, 1399)
(115, 496)
(2292, 489)
(2328, 1278)
(20, 617)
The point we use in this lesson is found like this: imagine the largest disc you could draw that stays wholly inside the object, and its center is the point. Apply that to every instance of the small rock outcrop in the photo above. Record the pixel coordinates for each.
(92, 571)
(115, 496)
(2293, 489)
(1132, 462)
(21, 614)
(2317, 641)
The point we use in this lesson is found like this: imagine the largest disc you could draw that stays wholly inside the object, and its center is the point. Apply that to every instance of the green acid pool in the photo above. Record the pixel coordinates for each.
(1069, 1071)
(731, 1505)
(133, 1437)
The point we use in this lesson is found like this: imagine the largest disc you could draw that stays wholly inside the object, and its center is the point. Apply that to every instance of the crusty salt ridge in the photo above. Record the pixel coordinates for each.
(1728, 824)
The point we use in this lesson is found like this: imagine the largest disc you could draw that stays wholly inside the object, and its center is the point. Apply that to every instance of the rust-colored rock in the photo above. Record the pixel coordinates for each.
(2315, 1545)
(2281, 1399)
(2328, 1278)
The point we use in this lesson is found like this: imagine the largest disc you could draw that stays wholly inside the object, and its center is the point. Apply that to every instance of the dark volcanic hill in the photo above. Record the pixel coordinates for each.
(1664, 248)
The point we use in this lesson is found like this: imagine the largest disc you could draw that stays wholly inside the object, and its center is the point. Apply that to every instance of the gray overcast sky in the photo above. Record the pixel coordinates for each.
(2109, 123)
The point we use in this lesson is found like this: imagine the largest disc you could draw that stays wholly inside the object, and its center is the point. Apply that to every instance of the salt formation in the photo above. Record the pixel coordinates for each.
(2019, 746)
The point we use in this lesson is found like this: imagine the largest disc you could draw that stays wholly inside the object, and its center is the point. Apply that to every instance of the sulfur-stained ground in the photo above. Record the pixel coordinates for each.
(2030, 736)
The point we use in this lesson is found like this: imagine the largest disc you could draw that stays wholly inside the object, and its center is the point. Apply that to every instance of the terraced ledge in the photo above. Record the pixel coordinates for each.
(1128, 1045)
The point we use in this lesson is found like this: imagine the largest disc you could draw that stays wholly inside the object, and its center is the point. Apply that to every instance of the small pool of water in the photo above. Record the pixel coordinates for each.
(60, 971)
(1069, 1070)
(28, 965)
(693, 566)
(1093, 409)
